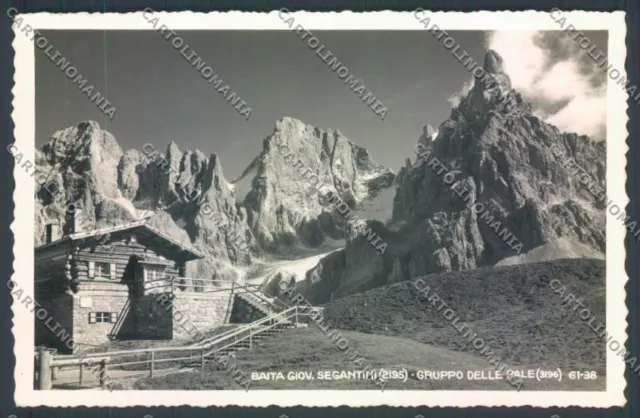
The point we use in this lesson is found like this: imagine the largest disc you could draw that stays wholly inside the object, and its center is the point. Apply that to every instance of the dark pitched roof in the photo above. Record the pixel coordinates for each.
(185, 251)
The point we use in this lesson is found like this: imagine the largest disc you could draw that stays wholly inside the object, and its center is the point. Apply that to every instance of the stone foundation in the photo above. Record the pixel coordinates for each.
(152, 320)
(86, 334)
(144, 317)
(202, 311)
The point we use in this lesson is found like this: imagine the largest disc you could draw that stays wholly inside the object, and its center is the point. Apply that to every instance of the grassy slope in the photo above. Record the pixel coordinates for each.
(512, 308)
(308, 349)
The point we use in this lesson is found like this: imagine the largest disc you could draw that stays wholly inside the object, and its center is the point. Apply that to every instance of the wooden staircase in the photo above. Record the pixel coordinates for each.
(256, 338)
(257, 303)
(244, 337)
(278, 317)
(253, 295)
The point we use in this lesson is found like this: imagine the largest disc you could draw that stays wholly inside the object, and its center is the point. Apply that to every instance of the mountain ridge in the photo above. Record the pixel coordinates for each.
(491, 145)
(186, 195)
(496, 149)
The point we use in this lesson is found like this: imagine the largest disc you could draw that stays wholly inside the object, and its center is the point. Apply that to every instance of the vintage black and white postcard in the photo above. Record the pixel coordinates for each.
(320, 209)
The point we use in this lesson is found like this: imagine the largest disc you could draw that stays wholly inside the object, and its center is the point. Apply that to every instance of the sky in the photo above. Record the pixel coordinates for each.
(159, 97)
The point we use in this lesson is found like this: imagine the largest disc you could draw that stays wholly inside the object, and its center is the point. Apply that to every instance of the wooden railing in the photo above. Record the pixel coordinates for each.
(281, 313)
(176, 284)
(275, 304)
(186, 284)
(195, 355)
(253, 328)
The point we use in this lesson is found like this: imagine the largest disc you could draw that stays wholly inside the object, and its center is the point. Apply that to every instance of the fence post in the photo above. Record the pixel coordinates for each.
(36, 370)
(250, 333)
(44, 382)
(202, 360)
(81, 374)
(103, 373)
(153, 356)
(296, 314)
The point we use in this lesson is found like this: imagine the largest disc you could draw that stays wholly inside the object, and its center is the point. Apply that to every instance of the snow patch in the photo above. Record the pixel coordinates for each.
(137, 214)
(554, 250)
(297, 267)
(379, 208)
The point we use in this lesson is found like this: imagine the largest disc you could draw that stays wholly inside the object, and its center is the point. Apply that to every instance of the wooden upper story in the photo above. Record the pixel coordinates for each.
(119, 258)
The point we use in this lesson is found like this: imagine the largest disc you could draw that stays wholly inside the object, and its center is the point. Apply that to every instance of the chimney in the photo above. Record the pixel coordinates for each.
(74, 220)
(52, 232)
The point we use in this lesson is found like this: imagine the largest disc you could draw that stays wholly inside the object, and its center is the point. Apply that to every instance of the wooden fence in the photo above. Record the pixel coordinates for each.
(191, 356)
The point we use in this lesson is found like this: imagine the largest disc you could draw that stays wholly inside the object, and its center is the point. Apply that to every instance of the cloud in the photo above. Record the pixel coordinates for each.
(556, 76)
(455, 98)
(564, 86)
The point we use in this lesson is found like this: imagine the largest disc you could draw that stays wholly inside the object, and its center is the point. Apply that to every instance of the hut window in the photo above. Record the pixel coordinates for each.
(154, 273)
(102, 317)
(99, 270)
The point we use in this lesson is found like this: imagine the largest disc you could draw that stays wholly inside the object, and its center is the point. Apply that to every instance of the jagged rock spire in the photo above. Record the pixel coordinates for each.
(493, 63)
(428, 135)
(491, 88)
(428, 131)
(495, 79)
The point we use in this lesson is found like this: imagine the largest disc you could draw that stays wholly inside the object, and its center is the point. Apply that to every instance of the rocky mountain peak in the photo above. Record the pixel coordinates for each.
(491, 94)
(490, 90)
(173, 150)
(214, 163)
(282, 201)
(293, 132)
(289, 123)
(81, 143)
(493, 63)
(493, 152)
(428, 131)
(428, 135)
(185, 193)
(499, 151)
